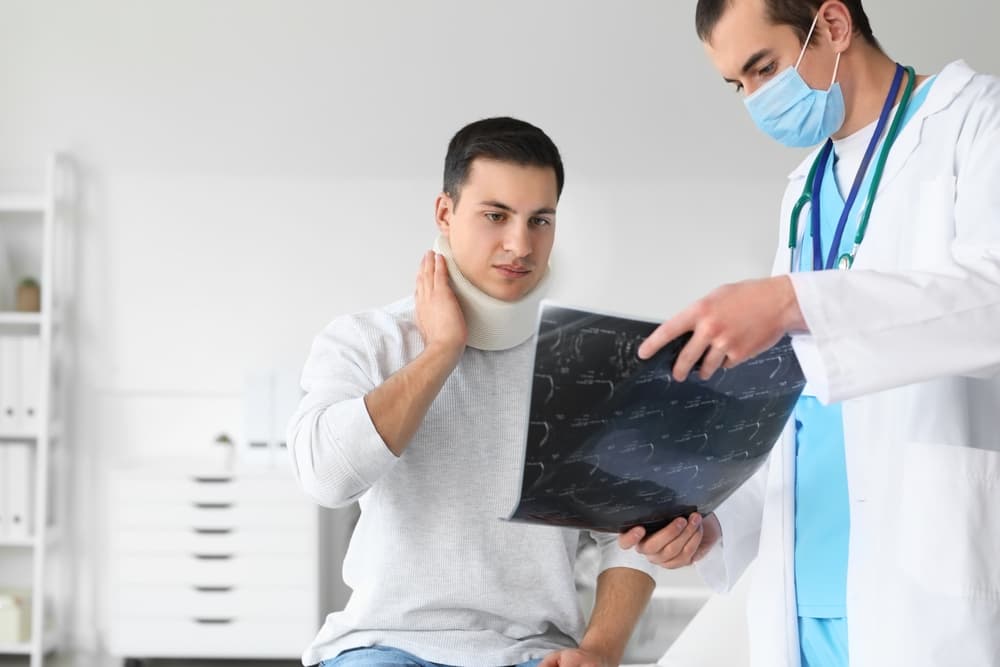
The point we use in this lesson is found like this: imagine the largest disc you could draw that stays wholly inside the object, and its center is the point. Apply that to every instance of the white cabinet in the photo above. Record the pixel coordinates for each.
(211, 565)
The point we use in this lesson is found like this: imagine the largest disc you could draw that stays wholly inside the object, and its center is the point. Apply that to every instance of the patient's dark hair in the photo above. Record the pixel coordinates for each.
(503, 139)
(799, 14)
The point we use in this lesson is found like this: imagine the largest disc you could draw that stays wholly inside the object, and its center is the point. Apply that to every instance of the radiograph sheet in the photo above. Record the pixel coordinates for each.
(615, 442)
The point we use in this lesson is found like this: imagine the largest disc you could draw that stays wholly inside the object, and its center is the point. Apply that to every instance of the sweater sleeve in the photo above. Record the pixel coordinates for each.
(614, 556)
(337, 454)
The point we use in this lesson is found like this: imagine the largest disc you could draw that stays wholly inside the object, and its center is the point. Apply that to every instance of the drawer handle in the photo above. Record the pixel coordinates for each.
(213, 531)
(213, 621)
(212, 480)
(213, 506)
(213, 556)
(214, 589)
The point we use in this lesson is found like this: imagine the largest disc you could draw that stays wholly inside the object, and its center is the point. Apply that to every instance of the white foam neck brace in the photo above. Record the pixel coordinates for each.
(493, 324)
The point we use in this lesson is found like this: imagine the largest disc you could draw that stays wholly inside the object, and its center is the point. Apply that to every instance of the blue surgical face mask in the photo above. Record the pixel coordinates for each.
(794, 114)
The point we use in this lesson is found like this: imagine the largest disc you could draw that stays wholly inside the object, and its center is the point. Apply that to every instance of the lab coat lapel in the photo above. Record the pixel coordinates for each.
(947, 86)
(950, 82)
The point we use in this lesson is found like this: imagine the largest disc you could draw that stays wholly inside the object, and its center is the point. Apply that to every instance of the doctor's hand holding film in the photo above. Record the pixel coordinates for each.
(729, 326)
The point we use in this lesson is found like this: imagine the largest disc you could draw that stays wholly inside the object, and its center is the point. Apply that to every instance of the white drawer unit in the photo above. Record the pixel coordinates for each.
(211, 565)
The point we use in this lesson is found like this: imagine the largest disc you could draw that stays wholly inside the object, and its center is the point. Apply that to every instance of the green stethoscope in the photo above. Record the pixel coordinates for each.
(813, 186)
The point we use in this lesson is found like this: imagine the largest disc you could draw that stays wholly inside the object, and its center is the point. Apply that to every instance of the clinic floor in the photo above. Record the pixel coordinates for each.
(107, 661)
(99, 661)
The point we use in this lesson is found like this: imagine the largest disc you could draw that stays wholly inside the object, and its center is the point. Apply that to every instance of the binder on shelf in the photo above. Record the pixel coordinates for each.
(30, 385)
(10, 390)
(4, 484)
(19, 489)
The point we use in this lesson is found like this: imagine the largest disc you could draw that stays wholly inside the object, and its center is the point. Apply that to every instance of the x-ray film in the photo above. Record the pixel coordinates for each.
(615, 442)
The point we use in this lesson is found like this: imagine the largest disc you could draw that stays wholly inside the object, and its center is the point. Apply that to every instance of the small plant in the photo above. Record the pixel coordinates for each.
(29, 296)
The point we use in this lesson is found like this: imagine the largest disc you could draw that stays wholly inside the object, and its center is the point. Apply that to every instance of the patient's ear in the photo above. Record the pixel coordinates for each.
(444, 208)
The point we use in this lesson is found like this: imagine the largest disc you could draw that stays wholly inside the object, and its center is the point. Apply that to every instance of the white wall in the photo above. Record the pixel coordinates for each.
(253, 168)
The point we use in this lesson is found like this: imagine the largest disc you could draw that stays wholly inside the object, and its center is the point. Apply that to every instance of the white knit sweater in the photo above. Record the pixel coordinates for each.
(433, 569)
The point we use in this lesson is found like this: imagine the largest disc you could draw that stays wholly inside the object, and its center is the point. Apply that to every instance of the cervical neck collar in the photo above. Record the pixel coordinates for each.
(493, 324)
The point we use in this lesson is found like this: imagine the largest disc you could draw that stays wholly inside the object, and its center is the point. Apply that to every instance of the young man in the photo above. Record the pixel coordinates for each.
(418, 411)
(881, 507)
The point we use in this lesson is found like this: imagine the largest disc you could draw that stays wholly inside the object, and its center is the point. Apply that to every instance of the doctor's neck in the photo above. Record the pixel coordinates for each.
(866, 77)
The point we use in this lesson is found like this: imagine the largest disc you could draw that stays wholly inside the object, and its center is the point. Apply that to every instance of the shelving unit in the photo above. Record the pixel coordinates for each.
(52, 212)
(52, 538)
(23, 203)
(27, 648)
(21, 319)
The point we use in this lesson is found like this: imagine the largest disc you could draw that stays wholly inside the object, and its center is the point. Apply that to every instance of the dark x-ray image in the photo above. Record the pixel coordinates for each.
(615, 442)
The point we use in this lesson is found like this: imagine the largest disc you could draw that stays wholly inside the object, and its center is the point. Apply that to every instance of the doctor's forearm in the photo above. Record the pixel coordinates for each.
(793, 320)
(876, 331)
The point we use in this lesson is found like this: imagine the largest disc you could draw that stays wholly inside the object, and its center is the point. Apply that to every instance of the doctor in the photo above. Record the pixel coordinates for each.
(877, 521)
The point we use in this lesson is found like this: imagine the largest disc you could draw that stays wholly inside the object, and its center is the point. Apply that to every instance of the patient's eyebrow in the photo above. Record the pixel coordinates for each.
(497, 204)
(546, 210)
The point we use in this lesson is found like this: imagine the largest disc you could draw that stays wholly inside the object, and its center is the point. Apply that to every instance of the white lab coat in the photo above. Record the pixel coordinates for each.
(909, 341)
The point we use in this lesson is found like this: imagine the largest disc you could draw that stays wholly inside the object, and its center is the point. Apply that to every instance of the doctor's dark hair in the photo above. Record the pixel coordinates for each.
(502, 139)
(799, 14)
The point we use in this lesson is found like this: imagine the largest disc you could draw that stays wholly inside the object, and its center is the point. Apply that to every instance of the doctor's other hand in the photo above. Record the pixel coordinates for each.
(732, 324)
(681, 543)
(439, 315)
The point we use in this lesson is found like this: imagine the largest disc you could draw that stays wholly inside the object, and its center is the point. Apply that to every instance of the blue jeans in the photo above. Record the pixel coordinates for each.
(386, 656)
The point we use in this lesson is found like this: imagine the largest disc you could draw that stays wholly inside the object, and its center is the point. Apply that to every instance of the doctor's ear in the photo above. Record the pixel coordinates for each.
(838, 24)
(444, 208)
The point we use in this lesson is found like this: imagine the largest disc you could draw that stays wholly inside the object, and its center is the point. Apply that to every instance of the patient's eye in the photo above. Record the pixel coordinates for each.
(540, 222)
(492, 216)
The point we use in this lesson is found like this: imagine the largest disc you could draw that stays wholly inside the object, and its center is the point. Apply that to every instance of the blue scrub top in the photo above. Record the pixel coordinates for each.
(822, 509)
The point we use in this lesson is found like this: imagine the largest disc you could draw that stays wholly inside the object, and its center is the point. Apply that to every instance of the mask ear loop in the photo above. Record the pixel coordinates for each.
(806, 45)
(835, 68)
